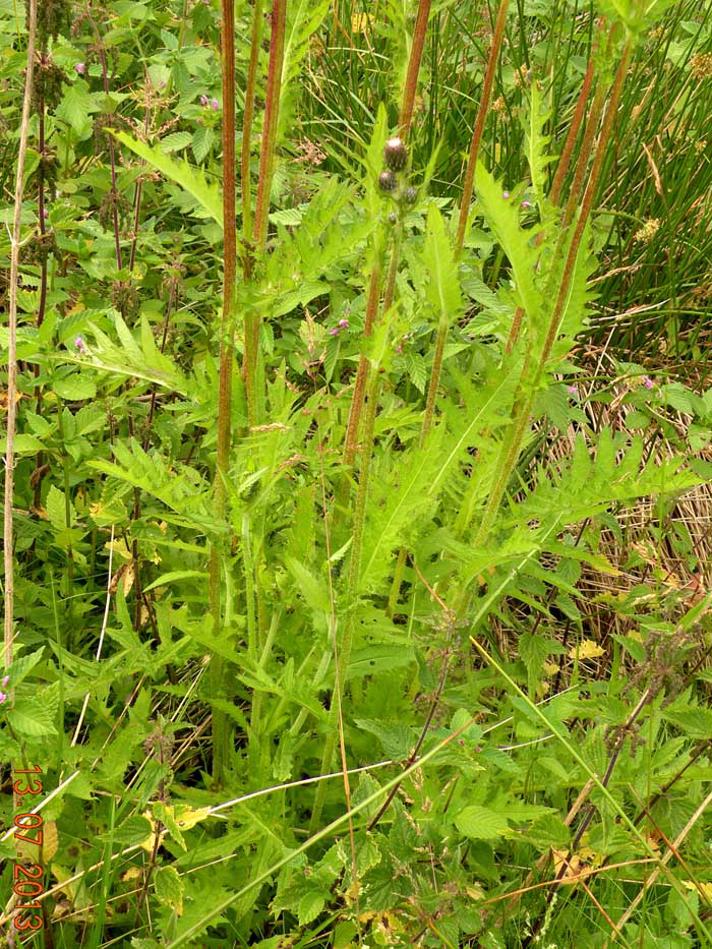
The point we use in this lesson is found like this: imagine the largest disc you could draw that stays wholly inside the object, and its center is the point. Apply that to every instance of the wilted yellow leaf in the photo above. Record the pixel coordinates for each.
(586, 649)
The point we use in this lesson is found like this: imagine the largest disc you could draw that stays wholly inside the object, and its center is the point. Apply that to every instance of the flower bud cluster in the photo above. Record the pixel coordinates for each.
(395, 159)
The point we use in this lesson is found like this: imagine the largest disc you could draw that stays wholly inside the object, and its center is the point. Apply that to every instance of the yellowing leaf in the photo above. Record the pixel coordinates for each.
(704, 888)
(119, 547)
(360, 22)
(50, 841)
(150, 842)
(187, 817)
(586, 649)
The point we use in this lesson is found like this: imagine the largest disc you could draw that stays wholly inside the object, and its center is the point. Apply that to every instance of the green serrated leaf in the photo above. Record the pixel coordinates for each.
(481, 823)
(169, 888)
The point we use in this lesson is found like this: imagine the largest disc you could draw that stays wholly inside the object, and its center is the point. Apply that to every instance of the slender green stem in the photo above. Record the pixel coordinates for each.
(8, 527)
(220, 722)
(352, 587)
(354, 423)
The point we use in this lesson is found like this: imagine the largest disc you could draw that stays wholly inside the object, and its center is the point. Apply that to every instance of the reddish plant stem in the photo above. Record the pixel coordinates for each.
(248, 116)
(264, 186)
(271, 119)
(483, 108)
(576, 122)
(416, 55)
(587, 202)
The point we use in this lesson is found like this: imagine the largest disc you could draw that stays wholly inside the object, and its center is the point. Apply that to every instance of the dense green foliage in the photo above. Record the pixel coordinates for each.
(481, 590)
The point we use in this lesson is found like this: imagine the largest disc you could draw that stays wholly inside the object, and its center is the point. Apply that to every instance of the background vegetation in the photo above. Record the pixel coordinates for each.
(358, 554)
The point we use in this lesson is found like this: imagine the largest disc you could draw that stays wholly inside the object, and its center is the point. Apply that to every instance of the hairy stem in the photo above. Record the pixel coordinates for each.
(416, 55)
(248, 117)
(264, 186)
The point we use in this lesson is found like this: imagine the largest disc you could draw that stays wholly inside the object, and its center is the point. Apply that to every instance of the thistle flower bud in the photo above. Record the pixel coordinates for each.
(395, 154)
(214, 105)
(204, 100)
(387, 181)
(392, 218)
(80, 68)
(410, 195)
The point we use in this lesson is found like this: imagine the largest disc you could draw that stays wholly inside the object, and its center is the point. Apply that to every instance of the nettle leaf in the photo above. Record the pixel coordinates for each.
(75, 107)
(176, 141)
(482, 823)
(58, 510)
(187, 176)
(203, 140)
(695, 722)
(36, 716)
(170, 888)
(75, 387)
(23, 665)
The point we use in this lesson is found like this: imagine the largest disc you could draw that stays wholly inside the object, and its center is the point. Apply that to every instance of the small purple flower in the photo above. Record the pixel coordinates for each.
(334, 331)
(80, 345)
(3, 697)
(527, 204)
(572, 390)
(204, 100)
(505, 195)
(344, 324)
(5, 680)
(80, 68)
(45, 213)
(648, 382)
(214, 105)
